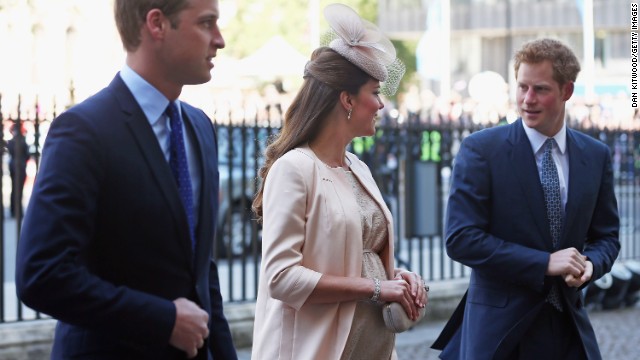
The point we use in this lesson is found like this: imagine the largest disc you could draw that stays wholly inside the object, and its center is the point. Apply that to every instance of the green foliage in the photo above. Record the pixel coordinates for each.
(255, 22)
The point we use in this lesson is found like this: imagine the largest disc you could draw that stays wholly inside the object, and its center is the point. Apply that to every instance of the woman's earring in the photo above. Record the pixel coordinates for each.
(349, 114)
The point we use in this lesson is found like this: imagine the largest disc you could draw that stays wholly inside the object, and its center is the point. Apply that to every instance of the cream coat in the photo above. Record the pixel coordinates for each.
(311, 227)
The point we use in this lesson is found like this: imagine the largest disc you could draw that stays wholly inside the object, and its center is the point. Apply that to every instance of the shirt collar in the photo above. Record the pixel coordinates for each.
(152, 102)
(537, 139)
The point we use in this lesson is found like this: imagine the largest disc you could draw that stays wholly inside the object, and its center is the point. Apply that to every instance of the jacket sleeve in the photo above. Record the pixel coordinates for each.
(468, 221)
(602, 244)
(283, 234)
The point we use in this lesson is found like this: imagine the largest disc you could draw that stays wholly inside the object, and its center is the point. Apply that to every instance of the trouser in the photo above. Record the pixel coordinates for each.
(552, 336)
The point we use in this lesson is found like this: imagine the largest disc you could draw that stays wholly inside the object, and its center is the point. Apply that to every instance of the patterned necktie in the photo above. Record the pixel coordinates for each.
(553, 203)
(180, 167)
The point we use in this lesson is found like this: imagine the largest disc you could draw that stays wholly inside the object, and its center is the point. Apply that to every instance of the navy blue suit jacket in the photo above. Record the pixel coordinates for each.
(496, 224)
(105, 246)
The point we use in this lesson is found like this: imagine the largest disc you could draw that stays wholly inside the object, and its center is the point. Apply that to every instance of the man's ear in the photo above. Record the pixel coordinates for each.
(567, 90)
(156, 23)
(346, 100)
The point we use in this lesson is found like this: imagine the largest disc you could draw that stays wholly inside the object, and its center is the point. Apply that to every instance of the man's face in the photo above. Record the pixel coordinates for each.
(540, 99)
(194, 43)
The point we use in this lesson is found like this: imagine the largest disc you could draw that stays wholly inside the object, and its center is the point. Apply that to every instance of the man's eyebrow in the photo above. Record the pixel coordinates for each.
(209, 16)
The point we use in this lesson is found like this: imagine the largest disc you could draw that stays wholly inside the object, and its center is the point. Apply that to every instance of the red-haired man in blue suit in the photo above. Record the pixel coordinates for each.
(532, 212)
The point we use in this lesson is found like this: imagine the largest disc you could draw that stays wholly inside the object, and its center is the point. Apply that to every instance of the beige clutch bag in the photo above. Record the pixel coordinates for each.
(396, 319)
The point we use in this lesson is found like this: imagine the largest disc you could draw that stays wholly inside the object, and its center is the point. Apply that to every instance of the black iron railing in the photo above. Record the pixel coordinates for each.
(411, 161)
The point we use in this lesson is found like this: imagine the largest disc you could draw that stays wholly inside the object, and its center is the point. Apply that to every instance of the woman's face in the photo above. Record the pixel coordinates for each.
(366, 105)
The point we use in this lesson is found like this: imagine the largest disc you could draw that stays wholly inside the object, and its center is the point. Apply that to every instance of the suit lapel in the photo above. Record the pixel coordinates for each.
(196, 133)
(149, 148)
(578, 176)
(526, 170)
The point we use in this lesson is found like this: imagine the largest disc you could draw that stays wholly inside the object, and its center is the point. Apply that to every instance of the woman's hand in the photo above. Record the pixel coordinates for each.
(408, 289)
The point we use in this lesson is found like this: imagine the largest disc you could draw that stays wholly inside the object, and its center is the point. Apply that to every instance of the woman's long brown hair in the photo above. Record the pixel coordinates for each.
(326, 75)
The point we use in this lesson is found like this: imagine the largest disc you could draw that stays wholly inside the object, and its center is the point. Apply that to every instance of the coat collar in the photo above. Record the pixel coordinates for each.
(363, 174)
(538, 139)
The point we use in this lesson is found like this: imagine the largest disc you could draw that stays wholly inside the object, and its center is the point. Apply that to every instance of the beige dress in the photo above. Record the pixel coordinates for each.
(369, 338)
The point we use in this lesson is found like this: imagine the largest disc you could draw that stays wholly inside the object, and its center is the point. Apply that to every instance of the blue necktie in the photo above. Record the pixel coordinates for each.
(180, 167)
(553, 202)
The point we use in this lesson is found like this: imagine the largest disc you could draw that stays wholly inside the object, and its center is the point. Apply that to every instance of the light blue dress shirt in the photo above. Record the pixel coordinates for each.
(154, 104)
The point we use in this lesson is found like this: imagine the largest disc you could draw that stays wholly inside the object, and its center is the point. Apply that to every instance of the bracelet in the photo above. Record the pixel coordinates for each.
(376, 291)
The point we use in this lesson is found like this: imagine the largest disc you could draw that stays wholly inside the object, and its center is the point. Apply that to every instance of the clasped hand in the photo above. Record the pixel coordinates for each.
(569, 263)
(408, 289)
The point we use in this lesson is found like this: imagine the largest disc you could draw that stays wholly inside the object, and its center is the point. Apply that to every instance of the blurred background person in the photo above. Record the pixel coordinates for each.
(18, 157)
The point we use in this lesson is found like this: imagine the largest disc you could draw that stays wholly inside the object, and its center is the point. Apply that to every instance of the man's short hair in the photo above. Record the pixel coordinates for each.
(130, 15)
(565, 64)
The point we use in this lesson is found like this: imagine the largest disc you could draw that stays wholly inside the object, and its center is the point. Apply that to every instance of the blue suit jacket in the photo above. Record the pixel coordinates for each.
(496, 224)
(105, 246)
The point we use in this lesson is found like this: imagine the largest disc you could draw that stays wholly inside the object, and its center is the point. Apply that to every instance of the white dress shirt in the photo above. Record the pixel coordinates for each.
(559, 154)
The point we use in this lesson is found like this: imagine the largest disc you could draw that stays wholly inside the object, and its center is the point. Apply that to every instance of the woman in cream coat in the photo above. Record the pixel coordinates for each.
(327, 258)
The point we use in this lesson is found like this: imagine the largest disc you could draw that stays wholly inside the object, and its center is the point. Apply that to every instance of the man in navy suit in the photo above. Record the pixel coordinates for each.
(524, 299)
(110, 247)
